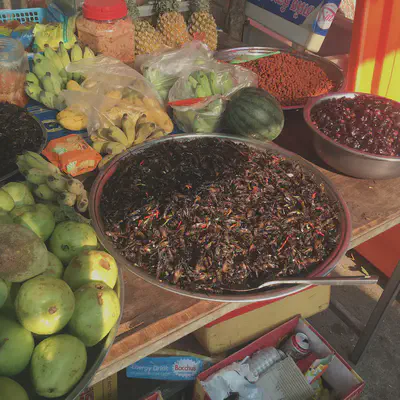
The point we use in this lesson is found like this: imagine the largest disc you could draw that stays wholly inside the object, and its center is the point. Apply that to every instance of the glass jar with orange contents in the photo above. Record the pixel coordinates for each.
(106, 29)
(13, 66)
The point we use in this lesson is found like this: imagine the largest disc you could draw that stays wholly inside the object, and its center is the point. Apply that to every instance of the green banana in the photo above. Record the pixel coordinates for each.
(43, 192)
(215, 88)
(64, 77)
(76, 55)
(53, 57)
(200, 92)
(66, 199)
(193, 83)
(38, 69)
(59, 103)
(88, 53)
(129, 127)
(23, 166)
(64, 57)
(51, 84)
(33, 91)
(75, 186)
(118, 135)
(82, 202)
(100, 146)
(36, 176)
(34, 160)
(57, 182)
(205, 83)
(32, 79)
(47, 99)
(115, 148)
(48, 66)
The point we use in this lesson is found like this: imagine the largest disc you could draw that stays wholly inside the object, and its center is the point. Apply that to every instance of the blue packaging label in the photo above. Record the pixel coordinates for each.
(297, 11)
(166, 368)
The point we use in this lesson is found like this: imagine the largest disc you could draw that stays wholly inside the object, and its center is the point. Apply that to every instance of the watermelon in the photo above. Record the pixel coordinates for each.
(254, 113)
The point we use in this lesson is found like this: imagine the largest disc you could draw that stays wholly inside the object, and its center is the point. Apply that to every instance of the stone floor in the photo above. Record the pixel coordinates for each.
(380, 364)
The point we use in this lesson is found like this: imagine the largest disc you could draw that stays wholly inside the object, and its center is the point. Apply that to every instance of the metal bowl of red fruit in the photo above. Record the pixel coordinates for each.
(356, 133)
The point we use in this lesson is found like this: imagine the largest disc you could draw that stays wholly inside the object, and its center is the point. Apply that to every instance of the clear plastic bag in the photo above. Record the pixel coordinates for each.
(212, 84)
(112, 89)
(164, 69)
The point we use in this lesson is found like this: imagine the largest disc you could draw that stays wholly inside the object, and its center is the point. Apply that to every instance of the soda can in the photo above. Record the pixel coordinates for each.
(264, 359)
(297, 346)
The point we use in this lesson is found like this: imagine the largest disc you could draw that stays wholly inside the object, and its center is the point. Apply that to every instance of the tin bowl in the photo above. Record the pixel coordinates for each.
(333, 71)
(323, 269)
(352, 162)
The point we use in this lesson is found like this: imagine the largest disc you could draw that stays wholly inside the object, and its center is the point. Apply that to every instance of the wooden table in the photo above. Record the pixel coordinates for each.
(154, 318)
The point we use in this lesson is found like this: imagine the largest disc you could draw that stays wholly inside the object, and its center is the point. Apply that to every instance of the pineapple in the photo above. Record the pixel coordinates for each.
(171, 23)
(147, 39)
(202, 22)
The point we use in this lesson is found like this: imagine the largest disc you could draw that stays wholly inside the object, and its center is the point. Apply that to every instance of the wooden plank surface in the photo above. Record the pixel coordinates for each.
(154, 318)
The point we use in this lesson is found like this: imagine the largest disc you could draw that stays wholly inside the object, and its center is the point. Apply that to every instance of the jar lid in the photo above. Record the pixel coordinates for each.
(104, 10)
(11, 50)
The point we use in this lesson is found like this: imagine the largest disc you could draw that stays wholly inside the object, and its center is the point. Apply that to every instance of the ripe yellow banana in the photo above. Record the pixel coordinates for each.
(72, 119)
(115, 148)
(82, 202)
(105, 160)
(75, 186)
(129, 127)
(75, 86)
(118, 135)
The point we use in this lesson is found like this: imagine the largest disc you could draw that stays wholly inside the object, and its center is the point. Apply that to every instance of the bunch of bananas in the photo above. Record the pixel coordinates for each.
(48, 184)
(49, 77)
(135, 130)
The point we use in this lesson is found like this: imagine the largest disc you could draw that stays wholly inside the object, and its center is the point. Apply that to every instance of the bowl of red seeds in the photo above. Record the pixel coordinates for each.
(291, 77)
(356, 133)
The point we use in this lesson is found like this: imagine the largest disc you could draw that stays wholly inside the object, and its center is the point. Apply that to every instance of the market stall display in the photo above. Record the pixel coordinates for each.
(356, 134)
(289, 76)
(181, 208)
(19, 131)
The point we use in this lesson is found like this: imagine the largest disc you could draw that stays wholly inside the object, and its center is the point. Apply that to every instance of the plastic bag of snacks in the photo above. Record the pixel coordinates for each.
(72, 155)
(164, 69)
(198, 98)
(124, 109)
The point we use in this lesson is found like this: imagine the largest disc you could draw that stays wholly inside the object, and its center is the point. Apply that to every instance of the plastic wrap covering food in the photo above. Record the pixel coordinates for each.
(123, 108)
(164, 69)
(199, 97)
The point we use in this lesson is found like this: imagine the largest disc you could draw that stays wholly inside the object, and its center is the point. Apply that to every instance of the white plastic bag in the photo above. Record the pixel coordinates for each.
(213, 84)
(164, 69)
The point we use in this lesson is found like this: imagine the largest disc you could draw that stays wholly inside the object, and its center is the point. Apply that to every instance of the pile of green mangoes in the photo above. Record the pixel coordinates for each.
(57, 296)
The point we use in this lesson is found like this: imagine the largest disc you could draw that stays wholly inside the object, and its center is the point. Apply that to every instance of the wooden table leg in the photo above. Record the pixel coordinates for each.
(389, 294)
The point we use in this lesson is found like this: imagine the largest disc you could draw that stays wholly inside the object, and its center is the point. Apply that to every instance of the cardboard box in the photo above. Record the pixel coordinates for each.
(107, 389)
(251, 321)
(340, 376)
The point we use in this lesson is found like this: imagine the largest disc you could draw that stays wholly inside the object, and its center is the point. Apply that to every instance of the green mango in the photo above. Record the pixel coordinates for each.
(57, 365)
(55, 267)
(11, 390)
(19, 193)
(70, 238)
(91, 265)
(4, 291)
(6, 201)
(16, 347)
(44, 305)
(97, 309)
